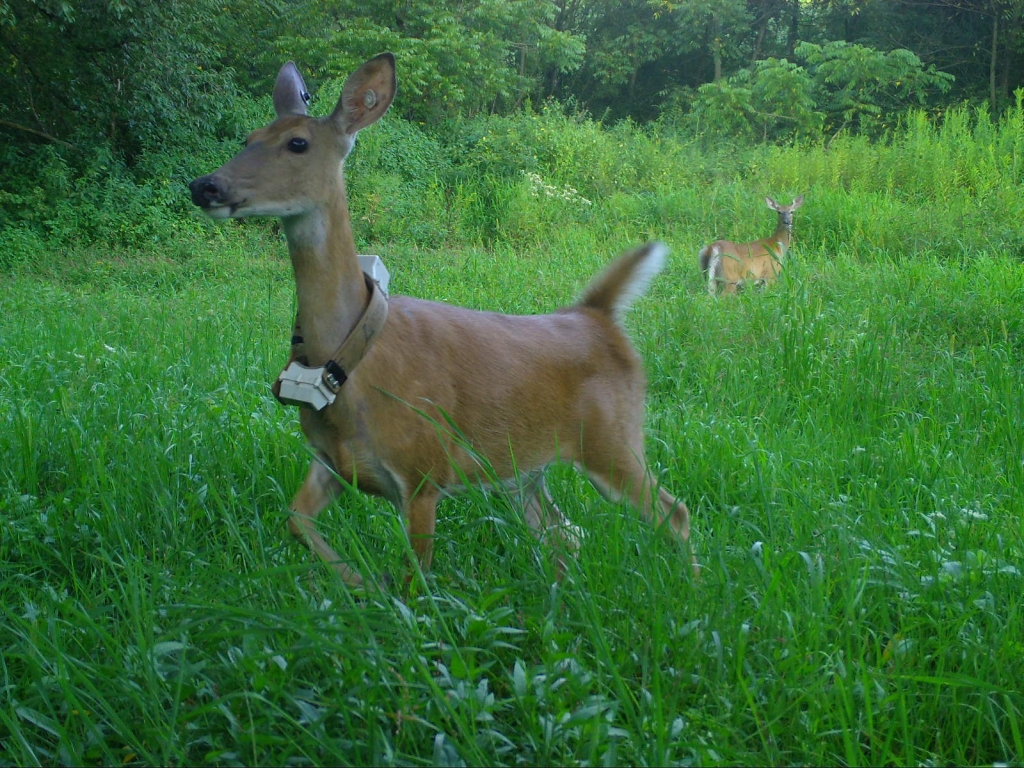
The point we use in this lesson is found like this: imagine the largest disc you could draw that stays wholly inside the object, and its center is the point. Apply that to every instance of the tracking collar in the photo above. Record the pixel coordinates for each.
(299, 384)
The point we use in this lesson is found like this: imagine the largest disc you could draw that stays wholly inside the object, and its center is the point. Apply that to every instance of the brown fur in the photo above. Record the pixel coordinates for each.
(524, 391)
(728, 266)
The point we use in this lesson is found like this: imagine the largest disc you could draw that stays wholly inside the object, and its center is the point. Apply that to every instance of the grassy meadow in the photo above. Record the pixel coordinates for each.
(850, 443)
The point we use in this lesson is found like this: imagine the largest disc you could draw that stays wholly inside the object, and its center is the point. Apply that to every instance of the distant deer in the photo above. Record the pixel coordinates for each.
(410, 394)
(728, 265)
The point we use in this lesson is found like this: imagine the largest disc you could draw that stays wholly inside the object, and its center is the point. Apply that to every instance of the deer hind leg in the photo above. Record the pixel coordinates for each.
(710, 255)
(318, 490)
(619, 472)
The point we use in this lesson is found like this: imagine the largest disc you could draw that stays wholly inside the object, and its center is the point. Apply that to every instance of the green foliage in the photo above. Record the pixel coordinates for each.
(114, 107)
(773, 101)
(725, 108)
(133, 75)
(395, 185)
(979, 42)
(920, 192)
(639, 50)
(841, 87)
(511, 180)
(498, 179)
(502, 180)
(863, 89)
(455, 57)
(95, 198)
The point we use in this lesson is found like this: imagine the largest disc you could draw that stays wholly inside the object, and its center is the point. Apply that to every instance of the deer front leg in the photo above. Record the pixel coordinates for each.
(544, 516)
(319, 489)
(547, 521)
(421, 517)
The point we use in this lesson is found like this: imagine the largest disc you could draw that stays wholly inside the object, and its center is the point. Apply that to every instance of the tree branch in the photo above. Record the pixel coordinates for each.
(45, 135)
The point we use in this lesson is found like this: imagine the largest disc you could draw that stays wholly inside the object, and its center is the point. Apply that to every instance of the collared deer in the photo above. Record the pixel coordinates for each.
(728, 265)
(523, 391)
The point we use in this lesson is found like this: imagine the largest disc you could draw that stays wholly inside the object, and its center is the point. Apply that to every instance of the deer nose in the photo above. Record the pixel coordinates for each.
(205, 191)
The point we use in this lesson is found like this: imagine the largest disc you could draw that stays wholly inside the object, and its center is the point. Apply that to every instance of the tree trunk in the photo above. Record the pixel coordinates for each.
(757, 44)
(1011, 39)
(794, 27)
(766, 16)
(993, 95)
(716, 47)
(565, 19)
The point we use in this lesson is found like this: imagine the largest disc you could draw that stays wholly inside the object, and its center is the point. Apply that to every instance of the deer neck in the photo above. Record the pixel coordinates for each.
(329, 283)
(783, 234)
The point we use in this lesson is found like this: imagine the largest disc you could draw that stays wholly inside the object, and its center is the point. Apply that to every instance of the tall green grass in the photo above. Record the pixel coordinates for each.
(849, 442)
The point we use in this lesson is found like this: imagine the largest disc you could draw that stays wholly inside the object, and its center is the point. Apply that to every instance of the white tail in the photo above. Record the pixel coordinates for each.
(524, 391)
(728, 265)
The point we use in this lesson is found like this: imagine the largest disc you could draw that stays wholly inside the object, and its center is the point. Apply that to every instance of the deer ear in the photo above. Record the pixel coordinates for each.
(798, 202)
(367, 94)
(290, 95)
(771, 204)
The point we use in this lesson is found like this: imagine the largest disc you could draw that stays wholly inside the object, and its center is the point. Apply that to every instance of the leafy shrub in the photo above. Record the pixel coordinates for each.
(90, 193)
(863, 88)
(840, 86)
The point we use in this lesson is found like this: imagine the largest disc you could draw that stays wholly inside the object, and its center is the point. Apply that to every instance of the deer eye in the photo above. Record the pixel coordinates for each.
(298, 145)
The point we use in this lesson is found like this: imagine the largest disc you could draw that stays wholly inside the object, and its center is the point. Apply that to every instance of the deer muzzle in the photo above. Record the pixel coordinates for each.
(209, 193)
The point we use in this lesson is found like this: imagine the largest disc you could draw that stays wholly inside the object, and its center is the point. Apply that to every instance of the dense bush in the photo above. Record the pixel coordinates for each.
(837, 87)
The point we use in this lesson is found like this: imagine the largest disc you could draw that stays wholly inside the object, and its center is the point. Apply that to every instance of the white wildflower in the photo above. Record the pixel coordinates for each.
(540, 187)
